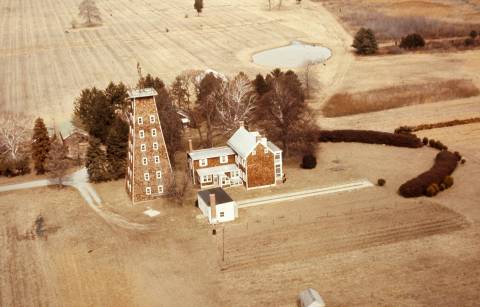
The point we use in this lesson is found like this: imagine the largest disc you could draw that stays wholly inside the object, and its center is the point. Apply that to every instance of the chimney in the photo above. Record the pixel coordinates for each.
(213, 207)
(190, 145)
(259, 138)
(241, 124)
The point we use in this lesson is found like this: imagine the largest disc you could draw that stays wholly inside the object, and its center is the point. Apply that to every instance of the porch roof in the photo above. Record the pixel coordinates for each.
(217, 170)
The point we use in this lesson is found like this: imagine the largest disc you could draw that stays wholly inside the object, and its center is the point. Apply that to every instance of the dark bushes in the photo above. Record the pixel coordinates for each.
(309, 161)
(410, 129)
(370, 137)
(445, 164)
(12, 168)
(412, 41)
(381, 182)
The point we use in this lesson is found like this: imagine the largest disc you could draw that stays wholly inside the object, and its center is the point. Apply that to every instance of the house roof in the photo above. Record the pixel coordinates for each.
(243, 141)
(211, 153)
(311, 298)
(215, 170)
(221, 196)
(143, 92)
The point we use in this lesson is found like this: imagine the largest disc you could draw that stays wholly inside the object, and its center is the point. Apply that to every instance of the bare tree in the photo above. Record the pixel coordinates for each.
(270, 5)
(14, 134)
(90, 13)
(178, 189)
(307, 76)
(57, 162)
(235, 101)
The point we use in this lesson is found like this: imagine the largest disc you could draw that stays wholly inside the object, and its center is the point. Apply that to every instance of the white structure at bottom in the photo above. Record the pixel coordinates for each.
(217, 205)
(310, 298)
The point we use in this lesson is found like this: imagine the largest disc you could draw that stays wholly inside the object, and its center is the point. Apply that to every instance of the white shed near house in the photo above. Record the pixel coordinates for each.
(217, 205)
(310, 298)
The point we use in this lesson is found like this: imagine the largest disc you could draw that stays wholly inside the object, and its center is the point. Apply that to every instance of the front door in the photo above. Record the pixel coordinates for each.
(215, 179)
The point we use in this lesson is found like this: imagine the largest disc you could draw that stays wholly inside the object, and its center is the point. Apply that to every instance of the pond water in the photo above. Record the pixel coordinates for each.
(297, 54)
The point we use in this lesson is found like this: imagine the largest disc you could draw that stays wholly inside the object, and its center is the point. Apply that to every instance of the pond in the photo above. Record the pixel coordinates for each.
(295, 55)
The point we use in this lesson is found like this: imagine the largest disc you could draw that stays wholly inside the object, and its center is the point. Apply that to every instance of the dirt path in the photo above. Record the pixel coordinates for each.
(79, 180)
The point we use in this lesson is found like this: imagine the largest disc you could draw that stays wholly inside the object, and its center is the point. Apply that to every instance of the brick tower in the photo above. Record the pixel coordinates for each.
(149, 172)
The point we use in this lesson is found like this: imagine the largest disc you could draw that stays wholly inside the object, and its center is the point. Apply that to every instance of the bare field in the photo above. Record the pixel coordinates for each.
(45, 64)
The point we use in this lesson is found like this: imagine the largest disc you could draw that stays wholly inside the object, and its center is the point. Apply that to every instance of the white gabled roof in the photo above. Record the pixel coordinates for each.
(243, 141)
(211, 153)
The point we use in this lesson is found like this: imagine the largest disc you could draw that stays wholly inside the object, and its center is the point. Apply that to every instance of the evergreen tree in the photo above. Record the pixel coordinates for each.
(261, 86)
(40, 145)
(117, 148)
(96, 162)
(365, 42)
(57, 162)
(95, 111)
(88, 10)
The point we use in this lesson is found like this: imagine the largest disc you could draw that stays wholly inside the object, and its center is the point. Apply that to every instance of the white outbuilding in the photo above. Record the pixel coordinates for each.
(217, 205)
(310, 298)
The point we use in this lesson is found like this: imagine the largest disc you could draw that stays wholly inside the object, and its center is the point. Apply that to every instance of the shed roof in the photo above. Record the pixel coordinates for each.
(142, 92)
(221, 196)
(211, 152)
(217, 170)
(311, 298)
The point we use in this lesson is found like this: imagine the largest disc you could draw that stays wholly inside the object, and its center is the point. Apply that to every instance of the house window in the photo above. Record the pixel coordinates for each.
(159, 174)
(152, 119)
(203, 162)
(224, 159)
(157, 159)
(278, 156)
(160, 189)
(154, 132)
(140, 120)
(143, 147)
(222, 214)
(265, 151)
(146, 176)
(155, 146)
(145, 161)
(207, 178)
(142, 134)
(148, 190)
(278, 170)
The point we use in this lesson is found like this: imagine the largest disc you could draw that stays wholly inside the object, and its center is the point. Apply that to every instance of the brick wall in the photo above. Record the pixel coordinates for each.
(261, 168)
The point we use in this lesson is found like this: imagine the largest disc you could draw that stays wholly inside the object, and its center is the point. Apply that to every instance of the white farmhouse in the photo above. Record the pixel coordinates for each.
(217, 205)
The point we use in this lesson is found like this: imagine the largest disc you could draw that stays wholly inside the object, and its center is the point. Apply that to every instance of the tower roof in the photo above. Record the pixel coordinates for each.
(142, 92)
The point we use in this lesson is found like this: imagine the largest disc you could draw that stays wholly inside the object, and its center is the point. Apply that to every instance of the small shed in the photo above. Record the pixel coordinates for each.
(217, 205)
(310, 298)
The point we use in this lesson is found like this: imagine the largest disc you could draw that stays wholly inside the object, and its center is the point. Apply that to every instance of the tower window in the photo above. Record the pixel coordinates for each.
(142, 134)
(144, 161)
(159, 174)
(152, 119)
(148, 190)
(154, 132)
(146, 176)
(140, 120)
(143, 147)
(155, 146)
(157, 159)
(160, 189)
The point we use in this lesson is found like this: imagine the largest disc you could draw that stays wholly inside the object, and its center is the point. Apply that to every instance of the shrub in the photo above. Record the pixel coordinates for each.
(403, 130)
(12, 168)
(425, 141)
(463, 161)
(370, 137)
(445, 163)
(458, 155)
(473, 34)
(412, 41)
(432, 190)
(448, 182)
(442, 187)
(309, 161)
(381, 182)
(468, 42)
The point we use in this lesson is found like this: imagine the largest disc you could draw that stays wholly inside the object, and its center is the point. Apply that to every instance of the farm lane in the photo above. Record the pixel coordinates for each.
(79, 181)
